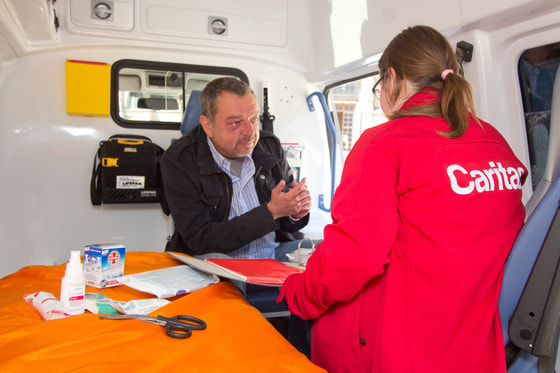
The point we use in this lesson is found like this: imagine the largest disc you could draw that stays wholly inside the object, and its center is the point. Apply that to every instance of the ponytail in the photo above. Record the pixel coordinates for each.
(456, 102)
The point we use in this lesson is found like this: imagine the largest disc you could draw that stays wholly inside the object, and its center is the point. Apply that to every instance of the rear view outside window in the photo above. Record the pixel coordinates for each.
(147, 94)
(150, 96)
(356, 109)
(537, 70)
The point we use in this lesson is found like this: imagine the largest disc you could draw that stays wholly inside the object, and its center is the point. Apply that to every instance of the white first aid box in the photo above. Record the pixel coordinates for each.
(103, 264)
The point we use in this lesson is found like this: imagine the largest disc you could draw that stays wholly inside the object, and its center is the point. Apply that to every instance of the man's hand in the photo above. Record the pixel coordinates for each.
(295, 203)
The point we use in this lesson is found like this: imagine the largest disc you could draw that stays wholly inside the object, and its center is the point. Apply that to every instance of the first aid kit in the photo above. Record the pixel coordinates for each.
(103, 265)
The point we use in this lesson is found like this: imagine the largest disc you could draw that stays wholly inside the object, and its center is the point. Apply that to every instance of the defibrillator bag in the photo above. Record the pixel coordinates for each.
(126, 170)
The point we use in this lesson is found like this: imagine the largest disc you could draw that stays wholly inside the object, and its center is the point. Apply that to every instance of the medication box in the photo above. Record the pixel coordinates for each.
(103, 265)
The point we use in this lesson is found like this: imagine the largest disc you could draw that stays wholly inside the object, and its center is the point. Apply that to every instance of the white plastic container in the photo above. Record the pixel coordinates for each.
(73, 286)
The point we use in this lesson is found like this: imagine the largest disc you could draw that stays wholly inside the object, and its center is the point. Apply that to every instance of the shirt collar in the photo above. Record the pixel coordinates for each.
(222, 161)
(425, 97)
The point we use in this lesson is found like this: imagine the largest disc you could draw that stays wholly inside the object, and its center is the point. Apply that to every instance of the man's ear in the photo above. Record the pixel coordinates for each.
(206, 125)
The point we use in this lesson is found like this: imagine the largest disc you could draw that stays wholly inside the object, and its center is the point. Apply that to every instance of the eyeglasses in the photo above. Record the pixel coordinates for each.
(377, 88)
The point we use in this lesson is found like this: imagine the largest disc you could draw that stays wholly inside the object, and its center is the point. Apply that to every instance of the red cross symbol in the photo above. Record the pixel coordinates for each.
(114, 257)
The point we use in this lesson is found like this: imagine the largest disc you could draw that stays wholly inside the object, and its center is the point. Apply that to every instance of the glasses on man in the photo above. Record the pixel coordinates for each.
(377, 88)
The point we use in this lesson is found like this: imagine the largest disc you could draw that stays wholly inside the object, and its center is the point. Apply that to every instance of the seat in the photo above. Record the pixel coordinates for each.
(519, 267)
(530, 299)
(192, 113)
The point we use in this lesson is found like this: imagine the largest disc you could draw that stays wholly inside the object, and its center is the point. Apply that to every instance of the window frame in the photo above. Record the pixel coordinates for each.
(164, 67)
(328, 93)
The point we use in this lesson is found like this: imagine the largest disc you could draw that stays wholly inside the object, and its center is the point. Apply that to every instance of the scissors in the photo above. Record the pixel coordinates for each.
(179, 326)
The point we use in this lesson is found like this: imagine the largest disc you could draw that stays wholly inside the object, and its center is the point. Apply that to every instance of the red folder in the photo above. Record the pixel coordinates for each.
(268, 272)
(258, 271)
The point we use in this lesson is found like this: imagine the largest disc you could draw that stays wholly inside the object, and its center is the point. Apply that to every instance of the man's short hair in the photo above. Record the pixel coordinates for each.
(210, 93)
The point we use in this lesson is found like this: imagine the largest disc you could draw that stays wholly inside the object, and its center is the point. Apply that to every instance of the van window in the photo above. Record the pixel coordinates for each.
(355, 109)
(147, 94)
(537, 70)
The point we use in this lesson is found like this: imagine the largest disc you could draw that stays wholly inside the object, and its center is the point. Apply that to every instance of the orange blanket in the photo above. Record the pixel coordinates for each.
(237, 339)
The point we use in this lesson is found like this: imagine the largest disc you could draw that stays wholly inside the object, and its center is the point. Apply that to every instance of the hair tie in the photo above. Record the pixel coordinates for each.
(446, 72)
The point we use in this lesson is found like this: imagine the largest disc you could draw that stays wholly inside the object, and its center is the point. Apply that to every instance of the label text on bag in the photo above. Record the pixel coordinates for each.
(130, 182)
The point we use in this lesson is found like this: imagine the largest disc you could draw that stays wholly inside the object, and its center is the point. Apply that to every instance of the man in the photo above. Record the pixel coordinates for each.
(228, 185)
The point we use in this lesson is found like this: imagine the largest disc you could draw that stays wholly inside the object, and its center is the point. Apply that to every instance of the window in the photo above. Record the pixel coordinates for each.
(146, 94)
(537, 70)
(356, 108)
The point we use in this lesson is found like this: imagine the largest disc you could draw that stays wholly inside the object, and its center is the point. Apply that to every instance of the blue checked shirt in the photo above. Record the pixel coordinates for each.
(245, 199)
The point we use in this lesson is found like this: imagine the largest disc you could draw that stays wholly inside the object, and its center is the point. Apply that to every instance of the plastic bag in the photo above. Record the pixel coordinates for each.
(169, 282)
(100, 304)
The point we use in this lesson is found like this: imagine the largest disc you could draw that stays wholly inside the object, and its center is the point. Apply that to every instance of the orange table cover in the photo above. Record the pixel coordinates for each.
(238, 338)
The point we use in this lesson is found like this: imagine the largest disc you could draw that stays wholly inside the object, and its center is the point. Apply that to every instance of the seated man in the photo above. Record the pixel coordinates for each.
(228, 184)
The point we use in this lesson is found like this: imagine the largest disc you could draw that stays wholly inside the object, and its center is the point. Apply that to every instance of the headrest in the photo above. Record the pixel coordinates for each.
(192, 113)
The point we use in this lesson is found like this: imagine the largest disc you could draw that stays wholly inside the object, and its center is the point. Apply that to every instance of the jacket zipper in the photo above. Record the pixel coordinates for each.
(257, 174)
(228, 195)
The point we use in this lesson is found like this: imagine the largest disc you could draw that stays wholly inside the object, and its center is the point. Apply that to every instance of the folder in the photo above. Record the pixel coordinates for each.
(268, 272)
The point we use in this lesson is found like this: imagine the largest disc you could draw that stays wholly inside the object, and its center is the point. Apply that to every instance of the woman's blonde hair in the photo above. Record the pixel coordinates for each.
(421, 54)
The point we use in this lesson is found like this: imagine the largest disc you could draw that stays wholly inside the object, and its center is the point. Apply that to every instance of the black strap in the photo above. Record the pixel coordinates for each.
(163, 202)
(95, 182)
(267, 119)
(512, 353)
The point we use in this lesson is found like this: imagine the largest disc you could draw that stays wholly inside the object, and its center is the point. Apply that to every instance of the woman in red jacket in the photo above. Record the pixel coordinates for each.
(408, 276)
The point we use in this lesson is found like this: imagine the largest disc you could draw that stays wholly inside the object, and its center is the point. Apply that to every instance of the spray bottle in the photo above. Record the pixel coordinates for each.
(73, 286)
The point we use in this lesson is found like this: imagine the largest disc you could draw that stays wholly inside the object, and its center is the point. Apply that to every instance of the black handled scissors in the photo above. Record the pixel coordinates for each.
(179, 326)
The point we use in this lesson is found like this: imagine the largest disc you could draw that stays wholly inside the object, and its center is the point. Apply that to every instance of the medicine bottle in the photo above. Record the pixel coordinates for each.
(73, 286)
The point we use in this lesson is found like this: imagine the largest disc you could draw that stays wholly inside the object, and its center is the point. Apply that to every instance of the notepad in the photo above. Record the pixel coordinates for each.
(268, 272)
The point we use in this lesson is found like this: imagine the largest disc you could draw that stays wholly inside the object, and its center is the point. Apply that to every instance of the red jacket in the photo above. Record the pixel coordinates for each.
(409, 274)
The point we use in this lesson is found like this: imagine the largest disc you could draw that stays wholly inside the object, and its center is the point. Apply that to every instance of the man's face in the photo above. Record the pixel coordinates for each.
(235, 130)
